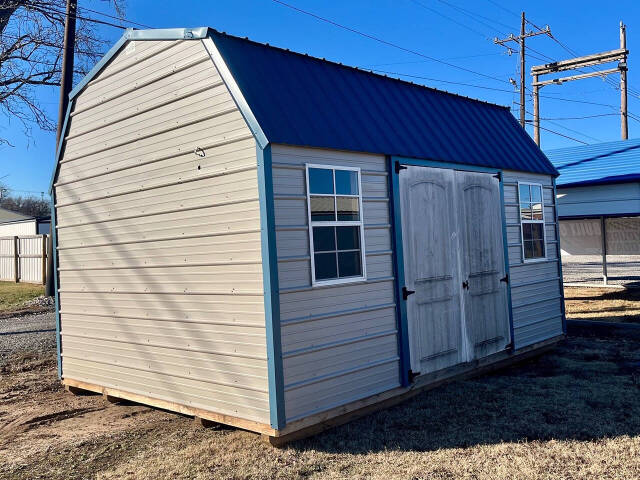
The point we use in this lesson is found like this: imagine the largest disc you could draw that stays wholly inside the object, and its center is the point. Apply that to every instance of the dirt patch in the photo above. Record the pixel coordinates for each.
(602, 304)
(571, 414)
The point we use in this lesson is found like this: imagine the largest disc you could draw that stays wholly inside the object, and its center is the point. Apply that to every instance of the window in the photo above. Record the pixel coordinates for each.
(532, 220)
(334, 203)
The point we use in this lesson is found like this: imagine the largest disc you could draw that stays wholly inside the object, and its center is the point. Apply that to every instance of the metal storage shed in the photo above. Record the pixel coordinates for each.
(274, 241)
(599, 200)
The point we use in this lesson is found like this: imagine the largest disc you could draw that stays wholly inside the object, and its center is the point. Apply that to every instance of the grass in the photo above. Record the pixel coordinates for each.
(602, 304)
(573, 413)
(14, 295)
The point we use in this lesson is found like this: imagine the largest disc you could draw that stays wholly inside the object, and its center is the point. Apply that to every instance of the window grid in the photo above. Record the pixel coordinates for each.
(336, 223)
(531, 221)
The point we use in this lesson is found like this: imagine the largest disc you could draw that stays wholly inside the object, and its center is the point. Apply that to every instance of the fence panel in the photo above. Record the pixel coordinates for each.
(24, 258)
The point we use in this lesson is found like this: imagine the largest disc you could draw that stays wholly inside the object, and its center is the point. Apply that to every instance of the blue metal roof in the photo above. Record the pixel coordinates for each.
(609, 162)
(301, 100)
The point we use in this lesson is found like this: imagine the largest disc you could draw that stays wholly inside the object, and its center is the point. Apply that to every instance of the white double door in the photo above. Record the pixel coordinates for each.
(454, 262)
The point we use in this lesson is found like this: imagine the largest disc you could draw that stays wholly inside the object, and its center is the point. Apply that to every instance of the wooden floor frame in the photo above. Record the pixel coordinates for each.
(319, 422)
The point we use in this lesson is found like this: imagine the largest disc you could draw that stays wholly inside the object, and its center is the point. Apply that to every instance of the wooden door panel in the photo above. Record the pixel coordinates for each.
(485, 300)
(431, 267)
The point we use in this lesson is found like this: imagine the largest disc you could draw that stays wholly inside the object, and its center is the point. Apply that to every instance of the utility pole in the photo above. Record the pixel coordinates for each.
(66, 83)
(577, 63)
(624, 129)
(522, 67)
(520, 39)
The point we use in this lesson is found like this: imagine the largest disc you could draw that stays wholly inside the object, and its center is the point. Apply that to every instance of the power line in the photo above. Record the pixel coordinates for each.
(563, 135)
(78, 17)
(580, 118)
(385, 42)
(116, 18)
(475, 16)
(424, 61)
(440, 80)
(451, 19)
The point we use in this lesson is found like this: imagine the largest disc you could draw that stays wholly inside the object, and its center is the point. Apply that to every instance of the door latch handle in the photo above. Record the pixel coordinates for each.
(505, 279)
(406, 293)
(465, 284)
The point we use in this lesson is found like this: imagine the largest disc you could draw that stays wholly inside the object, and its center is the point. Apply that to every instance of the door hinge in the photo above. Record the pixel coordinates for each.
(465, 284)
(406, 292)
(505, 279)
(412, 375)
(400, 167)
(498, 176)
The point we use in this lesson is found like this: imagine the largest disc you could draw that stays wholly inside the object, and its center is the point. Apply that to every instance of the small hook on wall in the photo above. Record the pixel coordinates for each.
(199, 152)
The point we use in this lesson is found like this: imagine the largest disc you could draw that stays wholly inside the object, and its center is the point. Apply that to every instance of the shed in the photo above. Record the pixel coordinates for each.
(270, 240)
(14, 223)
(599, 200)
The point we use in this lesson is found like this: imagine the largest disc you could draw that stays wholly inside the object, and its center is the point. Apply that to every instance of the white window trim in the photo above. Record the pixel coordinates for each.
(342, 223)
(521, 222)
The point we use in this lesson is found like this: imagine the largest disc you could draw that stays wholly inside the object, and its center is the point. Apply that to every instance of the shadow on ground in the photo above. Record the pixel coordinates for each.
(585, 389)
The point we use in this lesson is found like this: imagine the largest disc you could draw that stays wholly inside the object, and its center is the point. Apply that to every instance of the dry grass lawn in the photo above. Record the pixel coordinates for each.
(573, 413)
(602, 304)
(13, 295)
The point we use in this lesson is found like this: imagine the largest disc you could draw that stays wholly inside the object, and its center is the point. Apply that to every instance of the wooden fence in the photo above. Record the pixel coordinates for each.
(24, 258)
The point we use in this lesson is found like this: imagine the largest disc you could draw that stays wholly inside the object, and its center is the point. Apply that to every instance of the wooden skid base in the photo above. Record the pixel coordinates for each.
(317, 423)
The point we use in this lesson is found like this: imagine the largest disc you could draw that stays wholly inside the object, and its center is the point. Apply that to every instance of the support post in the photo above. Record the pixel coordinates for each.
(522, 72)
(16, 259)
(536, 110)
(44, 259)
(624, 128)
(603, 231)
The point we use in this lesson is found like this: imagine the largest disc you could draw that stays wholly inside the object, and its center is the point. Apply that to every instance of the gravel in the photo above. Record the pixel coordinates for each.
(621, 270)
(27, 333)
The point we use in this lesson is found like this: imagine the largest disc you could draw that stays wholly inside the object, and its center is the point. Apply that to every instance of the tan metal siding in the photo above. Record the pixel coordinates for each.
(535, 286)
(339, 343)
(159, 249)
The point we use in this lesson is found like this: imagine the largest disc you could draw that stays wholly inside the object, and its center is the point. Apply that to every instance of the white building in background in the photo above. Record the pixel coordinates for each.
(598, 192)
(17, 224)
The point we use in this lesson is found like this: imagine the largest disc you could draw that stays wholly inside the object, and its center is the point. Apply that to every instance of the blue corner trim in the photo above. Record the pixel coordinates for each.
(398, 267)
(235, 92)
(271, 288)
(54, 252)
(559, 255)
(438, 164)
(505, 246)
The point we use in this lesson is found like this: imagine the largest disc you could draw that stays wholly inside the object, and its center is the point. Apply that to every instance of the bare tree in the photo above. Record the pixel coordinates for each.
(31, 38)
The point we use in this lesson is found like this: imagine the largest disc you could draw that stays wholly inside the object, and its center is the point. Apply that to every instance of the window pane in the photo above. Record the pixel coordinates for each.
(322, 208)
(320, 180)
(536, 193)
(349, 264)
(324, 239)
(524, 193)
(347, 208)
(536, 211)
(526, 232)
(528, 249)
(325, 265)
(538, 248)
(346, 182)
(348, 238)
(536, 231)
(525, 211)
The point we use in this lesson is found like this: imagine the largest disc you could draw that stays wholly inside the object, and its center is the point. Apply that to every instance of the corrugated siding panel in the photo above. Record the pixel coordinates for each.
(159, 249)
(614, 199)
(339, 343)
(606, 162)
(535, 286)
(18, 228)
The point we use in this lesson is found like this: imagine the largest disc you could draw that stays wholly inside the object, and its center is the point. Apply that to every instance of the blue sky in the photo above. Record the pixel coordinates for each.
(435, 28)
